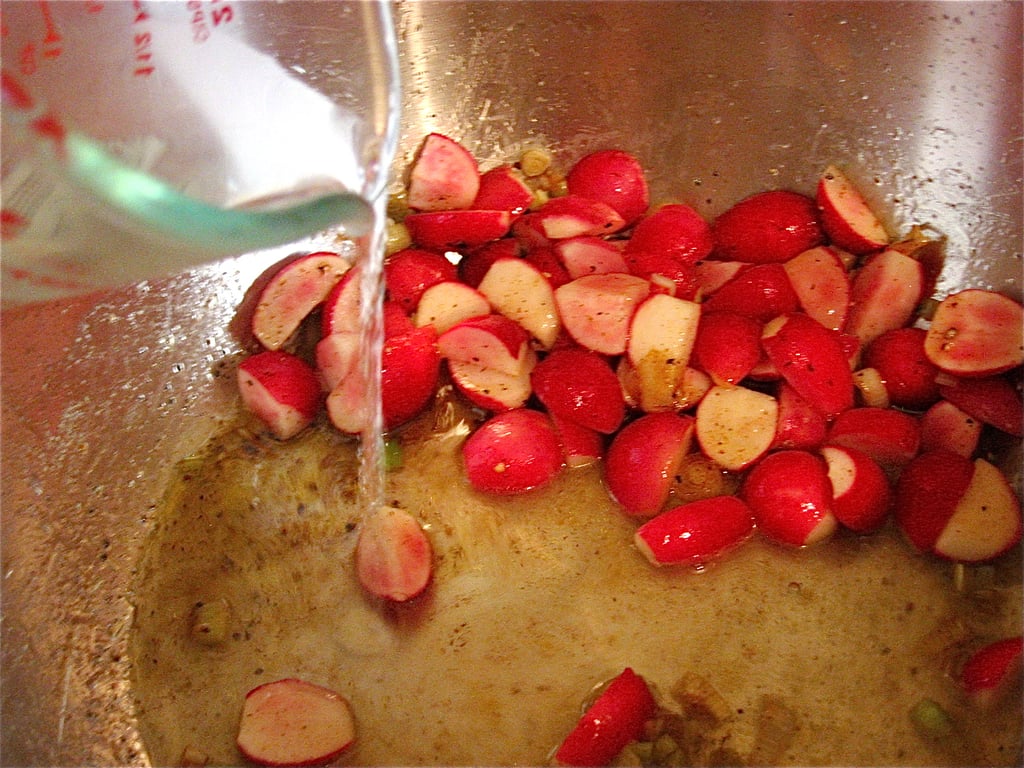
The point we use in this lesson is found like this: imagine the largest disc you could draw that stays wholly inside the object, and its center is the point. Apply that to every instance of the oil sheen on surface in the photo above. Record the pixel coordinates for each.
(535, 600)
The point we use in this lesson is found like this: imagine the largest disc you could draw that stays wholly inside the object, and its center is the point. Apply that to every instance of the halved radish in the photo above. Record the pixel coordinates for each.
(976, 333)
(293, 722)
(394, 559)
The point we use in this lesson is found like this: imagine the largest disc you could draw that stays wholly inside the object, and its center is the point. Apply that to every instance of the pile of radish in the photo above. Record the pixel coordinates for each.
(781, 346)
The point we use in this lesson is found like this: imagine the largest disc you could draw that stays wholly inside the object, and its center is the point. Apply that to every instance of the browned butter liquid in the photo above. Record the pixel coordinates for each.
(535, 599)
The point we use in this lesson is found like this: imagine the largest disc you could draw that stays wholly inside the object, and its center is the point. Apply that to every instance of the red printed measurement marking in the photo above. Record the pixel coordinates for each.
(52, 41)
(142, 41)
(221, 13)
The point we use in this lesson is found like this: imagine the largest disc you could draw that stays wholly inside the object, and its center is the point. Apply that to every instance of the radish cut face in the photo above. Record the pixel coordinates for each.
(292, 722)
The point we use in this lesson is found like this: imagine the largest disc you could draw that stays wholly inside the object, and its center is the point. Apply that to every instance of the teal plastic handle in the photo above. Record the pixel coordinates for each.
(156, 205)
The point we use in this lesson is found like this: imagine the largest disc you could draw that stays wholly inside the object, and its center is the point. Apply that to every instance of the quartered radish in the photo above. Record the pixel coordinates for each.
(294, 291)
(890, 437)
(521, 292)
(790, 494)
(810, 358)
(992, 671)
(885, 292)
(596, 310)
(281, 390)
(736, 426)
(695, 533)
(444, 176)
(846, 217)
(642, 460)
(762, 291)
(956, 508)
(409, 272)
(615, 719)
(669, 242)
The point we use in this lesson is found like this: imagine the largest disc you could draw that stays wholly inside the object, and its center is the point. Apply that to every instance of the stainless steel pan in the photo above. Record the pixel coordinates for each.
(103, 394)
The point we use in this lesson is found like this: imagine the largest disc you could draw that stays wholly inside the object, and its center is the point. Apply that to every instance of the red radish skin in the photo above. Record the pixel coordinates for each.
(790, 494)
(761, 292)
(669, 242)
(772, 226)
(992, 671)
(444, 176)
(976, 333)
(513, 452)
(614, 178)
(800, 424)
(643, 458)
(503, 189)
(846, 216)
(456, 230)
(409, 272)
(695, 533)
(281, 390)
(927, 493)
(394, 559)
(549, 265)
(474, 265)
(728, 346)
(811, 360)
(890, 437)
(293, 722)
(581, 445)
(615, 719)
(396, 321)
(410, 368)
(580, 386)
(992, 400)
(294, 291)
(909, 376)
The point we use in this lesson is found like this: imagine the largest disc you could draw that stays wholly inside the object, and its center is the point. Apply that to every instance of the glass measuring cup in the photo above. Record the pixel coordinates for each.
(142, 138)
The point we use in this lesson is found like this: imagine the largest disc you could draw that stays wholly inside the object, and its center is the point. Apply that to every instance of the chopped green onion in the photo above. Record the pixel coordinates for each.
(392, 454)
(931, 719)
